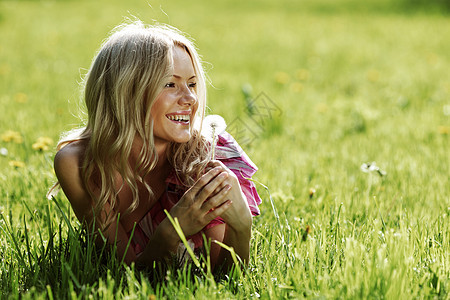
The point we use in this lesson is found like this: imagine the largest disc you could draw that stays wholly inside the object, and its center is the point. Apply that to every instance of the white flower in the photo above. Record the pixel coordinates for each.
(3, 151)
(446, 110)
(369, 167)
(212, 126)
(372, 167)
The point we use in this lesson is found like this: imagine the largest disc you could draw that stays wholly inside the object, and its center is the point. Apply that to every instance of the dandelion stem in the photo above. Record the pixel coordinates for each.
(213, 154)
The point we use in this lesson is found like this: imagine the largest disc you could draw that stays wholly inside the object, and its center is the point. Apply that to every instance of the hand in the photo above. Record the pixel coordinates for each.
(238, 216)
(203, 202)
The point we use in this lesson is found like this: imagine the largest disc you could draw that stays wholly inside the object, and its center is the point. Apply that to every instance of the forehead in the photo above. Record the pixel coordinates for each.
(182, 62)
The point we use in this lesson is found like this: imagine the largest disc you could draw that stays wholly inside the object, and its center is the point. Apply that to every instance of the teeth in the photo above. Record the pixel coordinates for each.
(178, 118)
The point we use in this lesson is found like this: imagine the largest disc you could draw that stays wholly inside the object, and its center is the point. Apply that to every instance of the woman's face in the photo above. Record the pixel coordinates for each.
(174, 108)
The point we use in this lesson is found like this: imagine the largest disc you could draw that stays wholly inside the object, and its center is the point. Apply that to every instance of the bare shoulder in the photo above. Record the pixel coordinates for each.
(68, 161)
(67, 166)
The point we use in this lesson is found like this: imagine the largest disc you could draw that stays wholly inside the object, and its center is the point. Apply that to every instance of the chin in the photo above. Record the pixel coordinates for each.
(182, 139)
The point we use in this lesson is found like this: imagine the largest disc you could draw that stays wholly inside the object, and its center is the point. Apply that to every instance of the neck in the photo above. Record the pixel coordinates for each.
(161, 151)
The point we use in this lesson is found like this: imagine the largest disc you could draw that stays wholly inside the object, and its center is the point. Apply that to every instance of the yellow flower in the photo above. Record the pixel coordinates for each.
(282, 77)
(444, 130)
(432, 58)
(17, 164)
(302, 74)
(12, 136)
(296, 87)
(45, 140)
(322, 107)
(40, 147)
(5, 69)
(42, 143)
(373, 75)
(21, 98)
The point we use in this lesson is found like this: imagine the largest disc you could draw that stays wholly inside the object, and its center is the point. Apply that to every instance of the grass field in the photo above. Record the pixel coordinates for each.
(334, 85)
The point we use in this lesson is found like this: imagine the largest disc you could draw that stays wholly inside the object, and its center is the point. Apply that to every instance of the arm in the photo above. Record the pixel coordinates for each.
(236, 231)
(67, 169)
(239, 240)
(192, 211)
(197, 208)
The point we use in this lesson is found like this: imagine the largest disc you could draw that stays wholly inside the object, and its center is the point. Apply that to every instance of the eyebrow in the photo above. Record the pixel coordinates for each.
(177, 76)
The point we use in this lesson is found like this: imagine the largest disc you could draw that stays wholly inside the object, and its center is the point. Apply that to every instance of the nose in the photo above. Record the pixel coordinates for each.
(188, 97)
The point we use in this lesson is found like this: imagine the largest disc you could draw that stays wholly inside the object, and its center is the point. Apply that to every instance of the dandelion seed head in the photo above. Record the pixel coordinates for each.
(446, 110)
(372, 167)
(369, 167)
(213, 125)
(3, 152)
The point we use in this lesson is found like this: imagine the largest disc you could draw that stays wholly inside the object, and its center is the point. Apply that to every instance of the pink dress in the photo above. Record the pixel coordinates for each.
(231, 155)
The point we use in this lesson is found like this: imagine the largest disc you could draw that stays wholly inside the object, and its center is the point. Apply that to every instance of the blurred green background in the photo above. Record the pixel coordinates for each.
(355, 81)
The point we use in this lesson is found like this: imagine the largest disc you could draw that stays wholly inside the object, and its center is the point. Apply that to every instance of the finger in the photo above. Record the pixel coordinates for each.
(222, 185)
(217, 200)
(218, 211)
(204, 180)
(213, 162)
(208, 190)
(218, 163)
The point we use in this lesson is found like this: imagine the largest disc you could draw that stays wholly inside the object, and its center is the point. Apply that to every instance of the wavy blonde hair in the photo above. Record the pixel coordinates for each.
(125, 78)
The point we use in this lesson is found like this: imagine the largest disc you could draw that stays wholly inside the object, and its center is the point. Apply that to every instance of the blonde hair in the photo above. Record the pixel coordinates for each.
(124, 79)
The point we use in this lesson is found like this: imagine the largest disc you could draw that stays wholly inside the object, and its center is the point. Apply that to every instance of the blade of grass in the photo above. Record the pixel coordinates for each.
(72, 275)
(233, 256)
(177, 227)
(128, 244)
(277, 217)
(27, 243)
(8, 231)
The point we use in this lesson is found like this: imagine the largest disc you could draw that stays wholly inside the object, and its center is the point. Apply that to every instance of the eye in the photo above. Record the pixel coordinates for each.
(192, 85)
(170, 85)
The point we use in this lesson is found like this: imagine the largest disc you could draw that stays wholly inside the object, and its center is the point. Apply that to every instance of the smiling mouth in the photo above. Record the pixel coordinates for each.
(179, 119)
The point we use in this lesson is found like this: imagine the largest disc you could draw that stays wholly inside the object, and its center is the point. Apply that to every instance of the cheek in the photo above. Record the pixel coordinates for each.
(157, 108)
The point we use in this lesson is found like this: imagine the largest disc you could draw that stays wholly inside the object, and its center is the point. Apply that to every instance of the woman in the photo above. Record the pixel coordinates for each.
(140, 154)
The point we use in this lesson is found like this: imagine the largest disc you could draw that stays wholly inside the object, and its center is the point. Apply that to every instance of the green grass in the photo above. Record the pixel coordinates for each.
(353, 84)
